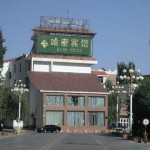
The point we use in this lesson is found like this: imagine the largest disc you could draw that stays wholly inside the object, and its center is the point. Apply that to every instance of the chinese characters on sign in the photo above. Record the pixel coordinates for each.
(63, 44)
(59, 22)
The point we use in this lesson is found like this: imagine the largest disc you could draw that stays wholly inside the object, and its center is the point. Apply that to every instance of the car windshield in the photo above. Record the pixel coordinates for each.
(46, 126)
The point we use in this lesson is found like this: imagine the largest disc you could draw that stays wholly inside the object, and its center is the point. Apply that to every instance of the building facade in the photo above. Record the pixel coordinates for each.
(62, 89)
(106, 74)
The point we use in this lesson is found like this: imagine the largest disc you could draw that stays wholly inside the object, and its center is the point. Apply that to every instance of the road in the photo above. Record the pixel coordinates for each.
(69, 141)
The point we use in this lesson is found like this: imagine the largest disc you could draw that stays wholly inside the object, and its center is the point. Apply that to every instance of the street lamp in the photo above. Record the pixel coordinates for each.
(20, 88)
(131, 77)
(117, 89)
(0, 74)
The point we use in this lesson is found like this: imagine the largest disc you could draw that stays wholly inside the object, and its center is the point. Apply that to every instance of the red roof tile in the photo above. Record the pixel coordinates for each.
(64, 30)
(100, 73)
(58, 81)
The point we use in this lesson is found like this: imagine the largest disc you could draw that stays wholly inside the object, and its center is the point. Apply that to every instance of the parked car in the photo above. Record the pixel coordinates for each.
(116, 126)
(1, 127)
(49, 128)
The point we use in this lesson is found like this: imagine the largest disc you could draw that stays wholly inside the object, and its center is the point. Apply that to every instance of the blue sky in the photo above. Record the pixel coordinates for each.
(122, 27)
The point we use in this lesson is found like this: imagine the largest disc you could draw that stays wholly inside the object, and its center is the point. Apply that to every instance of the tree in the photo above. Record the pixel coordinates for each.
(108, 85)
(2, 89)
(111, 103)
(112, 108)
(8, 99)
(2, 48)
(24, 109)
(121, 66)
(9, 106)
(141, 101)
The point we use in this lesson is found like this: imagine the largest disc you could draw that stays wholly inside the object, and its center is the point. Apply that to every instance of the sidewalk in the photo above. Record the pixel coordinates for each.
(6, 133)
(132, 138)
(9, 132)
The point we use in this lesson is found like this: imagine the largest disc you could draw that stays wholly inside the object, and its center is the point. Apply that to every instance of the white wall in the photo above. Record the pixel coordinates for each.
(104, 79)
(18, 74)
(61, 65)
(71, 67)
(36, 106)
(41, 67)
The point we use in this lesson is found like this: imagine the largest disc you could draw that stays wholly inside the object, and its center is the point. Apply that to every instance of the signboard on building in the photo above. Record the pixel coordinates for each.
(59, 22)
(68, 45)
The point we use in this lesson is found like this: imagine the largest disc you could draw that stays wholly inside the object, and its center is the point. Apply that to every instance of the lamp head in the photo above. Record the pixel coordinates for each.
(141, 77)
(124, 70)
(133, 77)
(131, 71)
(121, 77)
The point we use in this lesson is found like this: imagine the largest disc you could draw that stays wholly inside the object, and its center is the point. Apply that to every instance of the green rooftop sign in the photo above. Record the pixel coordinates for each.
(58, 44)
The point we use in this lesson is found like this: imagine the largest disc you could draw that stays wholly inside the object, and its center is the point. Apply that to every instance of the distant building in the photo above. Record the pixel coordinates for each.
(104, 75)
(107, 74)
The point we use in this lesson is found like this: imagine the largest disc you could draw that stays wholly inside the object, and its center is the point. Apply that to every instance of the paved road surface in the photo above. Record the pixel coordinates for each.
(69, 141)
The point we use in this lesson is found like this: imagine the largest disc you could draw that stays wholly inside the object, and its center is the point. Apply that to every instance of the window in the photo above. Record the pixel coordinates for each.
(20, 67)
(54, 117)
(9, 75)
(54, 100)
(27, 82)
(95, 118)
(27, 65)
(101, 80)
(75, 101)
(14, 68)
(96, 101)
(75, 118)
(15, 81)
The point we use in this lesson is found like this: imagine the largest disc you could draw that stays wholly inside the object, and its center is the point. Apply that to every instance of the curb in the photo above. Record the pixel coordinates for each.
(12, 133)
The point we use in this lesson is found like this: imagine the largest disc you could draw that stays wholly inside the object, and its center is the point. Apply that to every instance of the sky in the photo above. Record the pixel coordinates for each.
(122, 27)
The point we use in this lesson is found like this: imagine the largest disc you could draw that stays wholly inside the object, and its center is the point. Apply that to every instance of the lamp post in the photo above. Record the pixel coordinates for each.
(117, 89)
(0, 75)
(20, 88)
(131, 77)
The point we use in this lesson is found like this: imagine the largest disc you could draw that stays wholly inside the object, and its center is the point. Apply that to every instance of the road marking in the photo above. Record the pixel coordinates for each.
(51, 144)
(99, 142)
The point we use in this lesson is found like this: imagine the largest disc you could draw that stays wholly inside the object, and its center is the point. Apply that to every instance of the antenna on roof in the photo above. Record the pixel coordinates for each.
(67, 13)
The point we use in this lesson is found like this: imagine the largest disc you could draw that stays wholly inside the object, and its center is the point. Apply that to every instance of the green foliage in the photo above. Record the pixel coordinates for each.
(9, 100)
(121, 66)
(108, 85)
(24, 109)
(141, 100)
(112, 108)
(111, 103)
(141, 105)
(2, 48)
(9, 103)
